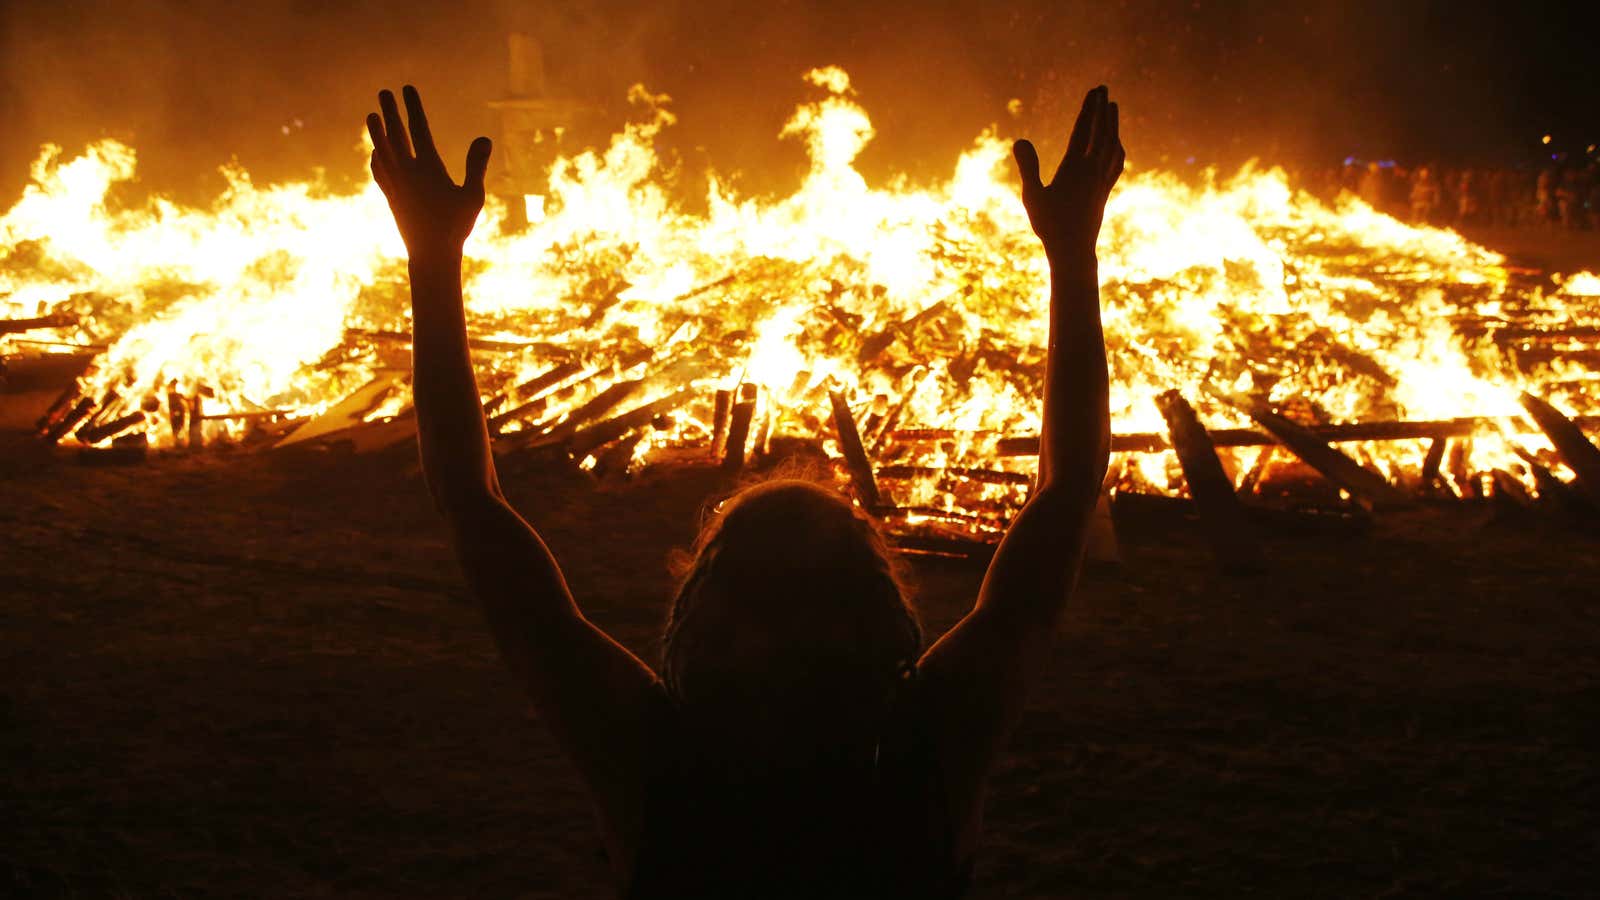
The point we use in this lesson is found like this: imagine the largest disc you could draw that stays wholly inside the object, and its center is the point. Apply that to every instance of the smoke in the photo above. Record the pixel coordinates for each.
(282, 85)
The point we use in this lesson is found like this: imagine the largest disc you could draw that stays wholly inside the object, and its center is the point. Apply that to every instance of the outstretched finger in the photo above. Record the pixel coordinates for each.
(477, 165)
(1082, 129)
(421, 135)
(393, 126)
(1109, 139)
(1027, 166)
(382, 153)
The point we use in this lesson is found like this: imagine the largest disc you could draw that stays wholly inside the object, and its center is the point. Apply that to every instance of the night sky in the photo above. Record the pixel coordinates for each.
(282, 85)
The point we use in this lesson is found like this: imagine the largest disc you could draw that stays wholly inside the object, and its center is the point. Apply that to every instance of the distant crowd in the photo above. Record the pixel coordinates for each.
(1566, 196)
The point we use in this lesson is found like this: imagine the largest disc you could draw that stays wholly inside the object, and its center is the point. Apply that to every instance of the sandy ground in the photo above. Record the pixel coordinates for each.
(258, 675)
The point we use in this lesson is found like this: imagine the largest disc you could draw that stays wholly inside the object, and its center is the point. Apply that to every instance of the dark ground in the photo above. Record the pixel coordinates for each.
(257, 675)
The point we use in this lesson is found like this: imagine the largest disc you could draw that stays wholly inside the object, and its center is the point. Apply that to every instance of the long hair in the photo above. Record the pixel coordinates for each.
(788, 586)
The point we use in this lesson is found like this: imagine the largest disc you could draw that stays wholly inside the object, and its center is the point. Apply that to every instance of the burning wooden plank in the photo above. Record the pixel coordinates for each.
(855, 455)
(987, 476)
(341, 415)
(94, 434)
(529, 396)
(887, 429)
(942, 545)
(739, 420)
(721, 410)
(1581, 456)
(1431, 479)
(536, 394)
(534, 387)
(1150, 442)
(69, 420)
(1230, 534)
(600, 434)
(55, 320)
(557, 430)
(1334, 465)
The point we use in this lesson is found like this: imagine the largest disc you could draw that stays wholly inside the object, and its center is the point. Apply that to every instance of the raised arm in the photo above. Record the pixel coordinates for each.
(977, 674)
(596, 696)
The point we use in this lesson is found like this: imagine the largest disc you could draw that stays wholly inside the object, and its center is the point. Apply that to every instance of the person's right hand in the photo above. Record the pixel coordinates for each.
(1066, 213)
(434, 213)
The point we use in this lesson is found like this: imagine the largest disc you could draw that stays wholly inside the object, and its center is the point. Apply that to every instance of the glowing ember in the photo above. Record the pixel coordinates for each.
(272, 298)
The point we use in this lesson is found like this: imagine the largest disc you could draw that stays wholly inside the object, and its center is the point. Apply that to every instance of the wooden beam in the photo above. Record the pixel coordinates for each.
(721, 409)
(739, 419)
(1581, 456)
(855, 455)
(70, 420)
(1431, 480)
(987, 476)
(1334, 465)
(611, 429)
(55, 320)
(1150, 442)
(1231, 536)
(94, 434)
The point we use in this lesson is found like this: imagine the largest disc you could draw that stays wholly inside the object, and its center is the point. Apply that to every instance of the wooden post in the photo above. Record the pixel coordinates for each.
(1581, 456)
(721, 408)
(1230, 534)
(197, 431)
(1431, 464)
(1334, 465)
(177, 413)
(855, 455)
(739, 429)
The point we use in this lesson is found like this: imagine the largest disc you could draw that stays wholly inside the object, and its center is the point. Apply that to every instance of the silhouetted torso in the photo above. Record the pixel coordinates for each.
(841, 826)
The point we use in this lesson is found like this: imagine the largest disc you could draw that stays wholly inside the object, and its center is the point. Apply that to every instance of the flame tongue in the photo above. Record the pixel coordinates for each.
(934, 297)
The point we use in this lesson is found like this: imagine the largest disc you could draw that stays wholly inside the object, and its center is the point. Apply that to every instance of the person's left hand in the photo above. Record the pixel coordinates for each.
(433, 212)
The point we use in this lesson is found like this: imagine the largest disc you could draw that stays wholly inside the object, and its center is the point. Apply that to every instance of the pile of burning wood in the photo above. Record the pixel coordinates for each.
(634, 400)
(1338, 358)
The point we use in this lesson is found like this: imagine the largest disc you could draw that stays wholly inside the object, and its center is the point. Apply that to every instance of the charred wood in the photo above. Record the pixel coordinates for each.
(69, 420)
(721, 409)
(987, 476)
(17, 326)
(855, 455)
(1231, 536)
(94, 434)
(739, 420)
(1149, 442)
(1334, 465)
(1581, 456)
(587, 439)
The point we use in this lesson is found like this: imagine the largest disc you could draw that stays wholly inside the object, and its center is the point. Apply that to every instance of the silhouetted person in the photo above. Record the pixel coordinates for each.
(1374, 187)
(1569, 199)
(1545, 196)
(1424, 195)
(1468, 201)
(797, 742)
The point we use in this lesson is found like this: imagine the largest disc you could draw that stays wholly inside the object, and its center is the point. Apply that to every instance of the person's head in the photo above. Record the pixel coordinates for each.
(788, 597)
